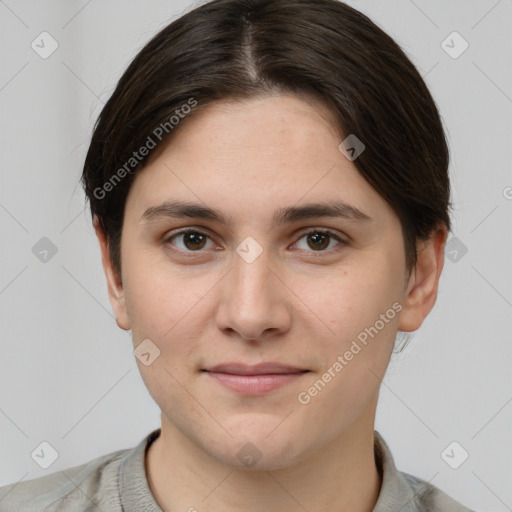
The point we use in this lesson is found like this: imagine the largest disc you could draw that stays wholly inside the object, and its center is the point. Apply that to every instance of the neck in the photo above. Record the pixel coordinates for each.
(341, 476)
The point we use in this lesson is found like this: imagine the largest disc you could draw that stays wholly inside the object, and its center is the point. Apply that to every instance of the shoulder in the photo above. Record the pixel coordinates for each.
(405, 492)
(428, 497)
(79, 488)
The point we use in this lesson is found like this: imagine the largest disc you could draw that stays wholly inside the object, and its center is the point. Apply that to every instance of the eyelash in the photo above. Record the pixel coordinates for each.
(327, 232)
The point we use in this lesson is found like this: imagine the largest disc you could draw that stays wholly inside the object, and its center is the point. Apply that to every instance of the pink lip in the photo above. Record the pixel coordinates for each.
(254, 379)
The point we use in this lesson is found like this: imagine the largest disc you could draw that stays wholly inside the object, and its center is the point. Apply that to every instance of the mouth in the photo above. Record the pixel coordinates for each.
(254, 379)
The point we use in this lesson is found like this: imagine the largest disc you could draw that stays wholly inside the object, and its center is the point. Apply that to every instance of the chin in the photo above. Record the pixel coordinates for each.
(249, 457)
(259, 443)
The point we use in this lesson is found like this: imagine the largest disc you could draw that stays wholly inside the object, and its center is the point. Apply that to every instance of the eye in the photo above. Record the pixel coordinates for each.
(192, 240)
(319, 240)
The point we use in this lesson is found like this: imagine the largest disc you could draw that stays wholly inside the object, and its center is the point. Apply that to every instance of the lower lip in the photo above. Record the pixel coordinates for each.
(255, 384)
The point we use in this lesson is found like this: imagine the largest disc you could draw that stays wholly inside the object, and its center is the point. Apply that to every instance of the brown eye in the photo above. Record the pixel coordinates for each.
(194, 241)
(319, 241)
(190, 240)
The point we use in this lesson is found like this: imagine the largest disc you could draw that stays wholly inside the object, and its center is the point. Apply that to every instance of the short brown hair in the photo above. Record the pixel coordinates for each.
(238, 49)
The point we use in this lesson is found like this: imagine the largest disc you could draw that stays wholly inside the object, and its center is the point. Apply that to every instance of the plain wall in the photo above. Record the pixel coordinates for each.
(67, 372)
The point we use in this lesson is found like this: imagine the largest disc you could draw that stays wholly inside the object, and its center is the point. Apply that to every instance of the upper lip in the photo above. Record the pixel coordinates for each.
(257, 369)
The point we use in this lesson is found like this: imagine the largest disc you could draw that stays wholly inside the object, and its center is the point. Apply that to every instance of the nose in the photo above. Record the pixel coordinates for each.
(254, 300)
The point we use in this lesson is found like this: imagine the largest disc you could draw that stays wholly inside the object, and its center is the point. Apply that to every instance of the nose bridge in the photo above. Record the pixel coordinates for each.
(251, 281)
(252, 302)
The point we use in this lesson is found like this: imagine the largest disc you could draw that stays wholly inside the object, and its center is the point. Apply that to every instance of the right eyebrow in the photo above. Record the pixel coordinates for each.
(180, 209)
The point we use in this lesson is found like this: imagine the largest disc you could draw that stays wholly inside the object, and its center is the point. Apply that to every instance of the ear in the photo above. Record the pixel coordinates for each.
(423, 282)
(114, 283)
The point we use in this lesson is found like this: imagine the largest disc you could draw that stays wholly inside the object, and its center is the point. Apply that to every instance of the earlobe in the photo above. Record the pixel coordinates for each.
(114, 282)
(421, 293)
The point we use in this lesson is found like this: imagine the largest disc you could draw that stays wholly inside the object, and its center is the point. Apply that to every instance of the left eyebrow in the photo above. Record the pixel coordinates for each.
(337, 209)
(180, 209)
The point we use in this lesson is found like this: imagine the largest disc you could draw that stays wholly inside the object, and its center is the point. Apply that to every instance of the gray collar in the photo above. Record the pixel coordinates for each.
(396, 493)
(133, 484)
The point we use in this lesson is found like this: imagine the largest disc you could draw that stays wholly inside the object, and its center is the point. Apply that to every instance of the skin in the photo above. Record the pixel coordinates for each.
(294, 304)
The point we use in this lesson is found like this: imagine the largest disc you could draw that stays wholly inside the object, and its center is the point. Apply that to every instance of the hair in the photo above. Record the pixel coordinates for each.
(241, 49)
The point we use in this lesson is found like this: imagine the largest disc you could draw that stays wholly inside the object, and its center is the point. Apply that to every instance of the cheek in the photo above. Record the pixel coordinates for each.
(349, 300)
(361, 306)
(171, 309)
(161, 298)
(364, 318)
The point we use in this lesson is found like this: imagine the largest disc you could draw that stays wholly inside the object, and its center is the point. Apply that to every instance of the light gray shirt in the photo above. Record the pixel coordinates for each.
(117, 482)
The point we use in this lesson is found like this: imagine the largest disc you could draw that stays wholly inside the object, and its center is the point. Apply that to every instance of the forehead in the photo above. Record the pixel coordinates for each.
(270, 151)
(280, 125)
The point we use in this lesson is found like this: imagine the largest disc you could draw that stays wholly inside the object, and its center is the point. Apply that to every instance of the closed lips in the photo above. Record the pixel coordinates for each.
(259, 369)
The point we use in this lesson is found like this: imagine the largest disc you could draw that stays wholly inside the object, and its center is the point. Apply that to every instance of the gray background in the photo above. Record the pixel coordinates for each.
(67, 372)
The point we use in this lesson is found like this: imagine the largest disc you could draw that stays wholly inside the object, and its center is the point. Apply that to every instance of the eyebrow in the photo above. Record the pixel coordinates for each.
(289, 214)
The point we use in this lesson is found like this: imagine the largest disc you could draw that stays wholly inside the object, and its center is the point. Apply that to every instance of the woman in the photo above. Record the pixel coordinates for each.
(269, 187)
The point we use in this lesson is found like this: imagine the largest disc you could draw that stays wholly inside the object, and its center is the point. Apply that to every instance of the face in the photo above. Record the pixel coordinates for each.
(274, 301)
